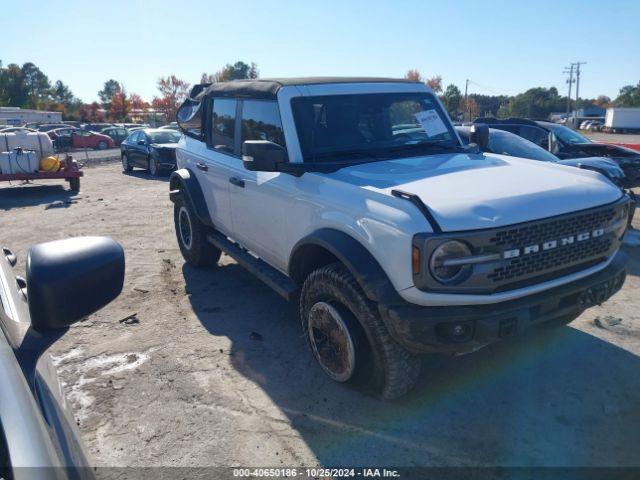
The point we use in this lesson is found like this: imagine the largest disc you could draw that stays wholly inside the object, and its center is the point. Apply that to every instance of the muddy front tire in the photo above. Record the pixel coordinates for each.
(349, 339)
(192, 237)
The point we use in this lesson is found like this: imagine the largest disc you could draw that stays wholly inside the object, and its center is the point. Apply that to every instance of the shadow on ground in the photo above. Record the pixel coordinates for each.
(145, 175)
(633, 263)
(29, 195)
(553, 397)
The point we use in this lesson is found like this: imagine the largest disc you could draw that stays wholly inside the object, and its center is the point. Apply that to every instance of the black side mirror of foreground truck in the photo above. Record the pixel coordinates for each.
(70, 279)
(479, 134)
(67, 280)
(263, 156)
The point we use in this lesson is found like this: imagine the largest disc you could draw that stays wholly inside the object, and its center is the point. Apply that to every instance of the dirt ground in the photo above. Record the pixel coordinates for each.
(213, 370)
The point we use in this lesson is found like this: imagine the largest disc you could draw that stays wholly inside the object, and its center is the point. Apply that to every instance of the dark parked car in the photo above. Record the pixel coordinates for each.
(117, 134)
(507, 143)
(71, 137)
(566, 143)
(95, 127)
(47, 127)
(153, 149)
(65, 281)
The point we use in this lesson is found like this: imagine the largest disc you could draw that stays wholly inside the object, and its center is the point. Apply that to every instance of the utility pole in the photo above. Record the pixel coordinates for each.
(569, 70)
(466, 103)
(577, 64)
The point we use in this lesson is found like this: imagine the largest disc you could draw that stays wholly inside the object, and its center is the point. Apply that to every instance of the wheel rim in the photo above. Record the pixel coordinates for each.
(331, 342)
(184, 227)
(102, 146)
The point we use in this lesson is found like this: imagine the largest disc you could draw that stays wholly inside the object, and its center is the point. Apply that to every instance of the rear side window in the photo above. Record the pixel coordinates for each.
(261, 121)
(223, 124)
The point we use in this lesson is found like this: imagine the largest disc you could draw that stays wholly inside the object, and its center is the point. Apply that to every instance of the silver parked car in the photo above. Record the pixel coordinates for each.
(65, 281)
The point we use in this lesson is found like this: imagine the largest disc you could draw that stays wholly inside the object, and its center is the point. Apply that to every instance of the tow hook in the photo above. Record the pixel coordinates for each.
(597, 294)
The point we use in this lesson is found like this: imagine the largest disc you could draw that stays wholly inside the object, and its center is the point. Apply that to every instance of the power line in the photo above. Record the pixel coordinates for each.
(485, 87)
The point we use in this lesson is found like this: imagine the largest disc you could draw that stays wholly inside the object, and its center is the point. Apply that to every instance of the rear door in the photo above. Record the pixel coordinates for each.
(215, 164)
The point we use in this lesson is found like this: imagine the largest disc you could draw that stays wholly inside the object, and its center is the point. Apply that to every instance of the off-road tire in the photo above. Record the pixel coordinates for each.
(126, 166)
(385, 368)
(197, 252)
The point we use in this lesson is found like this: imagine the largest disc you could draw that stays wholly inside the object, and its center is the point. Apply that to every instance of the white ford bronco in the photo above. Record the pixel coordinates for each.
(356, 198)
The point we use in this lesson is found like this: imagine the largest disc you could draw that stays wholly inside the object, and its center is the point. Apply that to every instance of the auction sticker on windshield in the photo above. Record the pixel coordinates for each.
(431, 122)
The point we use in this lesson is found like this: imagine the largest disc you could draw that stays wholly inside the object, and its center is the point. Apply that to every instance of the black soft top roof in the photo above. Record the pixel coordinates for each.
(268, 87)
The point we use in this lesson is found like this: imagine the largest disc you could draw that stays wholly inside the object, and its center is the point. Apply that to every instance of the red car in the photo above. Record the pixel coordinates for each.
(71, 137)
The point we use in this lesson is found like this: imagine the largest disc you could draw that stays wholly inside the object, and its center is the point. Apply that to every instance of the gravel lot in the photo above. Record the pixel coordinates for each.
(614, 137)
(214, 370)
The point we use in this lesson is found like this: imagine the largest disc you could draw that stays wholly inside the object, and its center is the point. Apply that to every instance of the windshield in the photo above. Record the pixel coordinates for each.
(165, 136)
(506, 143)
(566, 135)
(398, 124)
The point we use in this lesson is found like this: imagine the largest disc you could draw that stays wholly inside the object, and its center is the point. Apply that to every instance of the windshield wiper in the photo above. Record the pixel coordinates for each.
(428, 145)
(347, 154)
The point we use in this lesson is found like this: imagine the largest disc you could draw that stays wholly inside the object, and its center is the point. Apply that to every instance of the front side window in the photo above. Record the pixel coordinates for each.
(379, 124)
(261, 121)
(223, 124)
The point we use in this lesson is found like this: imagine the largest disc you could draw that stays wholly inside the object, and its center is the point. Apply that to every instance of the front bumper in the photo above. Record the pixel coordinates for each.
(433, 329)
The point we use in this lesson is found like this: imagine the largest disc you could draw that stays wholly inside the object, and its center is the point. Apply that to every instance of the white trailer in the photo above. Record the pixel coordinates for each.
(622, 120)
(14, 116)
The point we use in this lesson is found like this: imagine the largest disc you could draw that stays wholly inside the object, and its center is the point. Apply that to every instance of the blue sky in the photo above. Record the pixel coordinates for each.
(501, 46)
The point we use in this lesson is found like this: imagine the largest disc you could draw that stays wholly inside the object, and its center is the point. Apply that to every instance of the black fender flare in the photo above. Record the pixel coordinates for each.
(184, 183)
(352, 254)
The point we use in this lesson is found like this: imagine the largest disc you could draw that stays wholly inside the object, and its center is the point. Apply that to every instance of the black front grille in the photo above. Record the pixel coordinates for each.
(167, 154)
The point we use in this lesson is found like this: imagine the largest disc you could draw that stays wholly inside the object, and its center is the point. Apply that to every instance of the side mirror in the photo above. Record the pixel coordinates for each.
(479, 134)
(142, 142)
(263, 156)
(70, 279)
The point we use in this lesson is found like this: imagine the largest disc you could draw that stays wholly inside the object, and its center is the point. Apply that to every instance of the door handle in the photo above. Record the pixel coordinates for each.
(202, 166)
(237, 182)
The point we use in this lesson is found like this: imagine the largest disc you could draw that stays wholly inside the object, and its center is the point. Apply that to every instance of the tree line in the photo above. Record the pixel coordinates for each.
(27, 86)
(536, 102)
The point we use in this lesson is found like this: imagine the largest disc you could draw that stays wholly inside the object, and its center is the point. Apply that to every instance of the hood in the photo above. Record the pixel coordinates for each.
(474, 191)
(167, 146)
(600, 163)
(602, 150)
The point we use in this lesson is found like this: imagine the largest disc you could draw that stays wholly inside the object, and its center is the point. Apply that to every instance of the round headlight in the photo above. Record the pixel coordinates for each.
(450, 273)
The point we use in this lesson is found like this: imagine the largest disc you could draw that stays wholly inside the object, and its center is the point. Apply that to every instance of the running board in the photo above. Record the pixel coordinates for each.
(278, 281)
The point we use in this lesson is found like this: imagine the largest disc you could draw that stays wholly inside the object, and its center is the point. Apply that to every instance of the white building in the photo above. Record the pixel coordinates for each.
(20, 116)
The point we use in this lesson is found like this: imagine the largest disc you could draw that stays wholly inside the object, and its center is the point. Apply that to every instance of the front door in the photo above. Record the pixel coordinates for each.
(259, 200)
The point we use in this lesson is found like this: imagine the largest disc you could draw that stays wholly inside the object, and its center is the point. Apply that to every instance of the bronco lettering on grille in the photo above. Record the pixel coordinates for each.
(551, 244)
